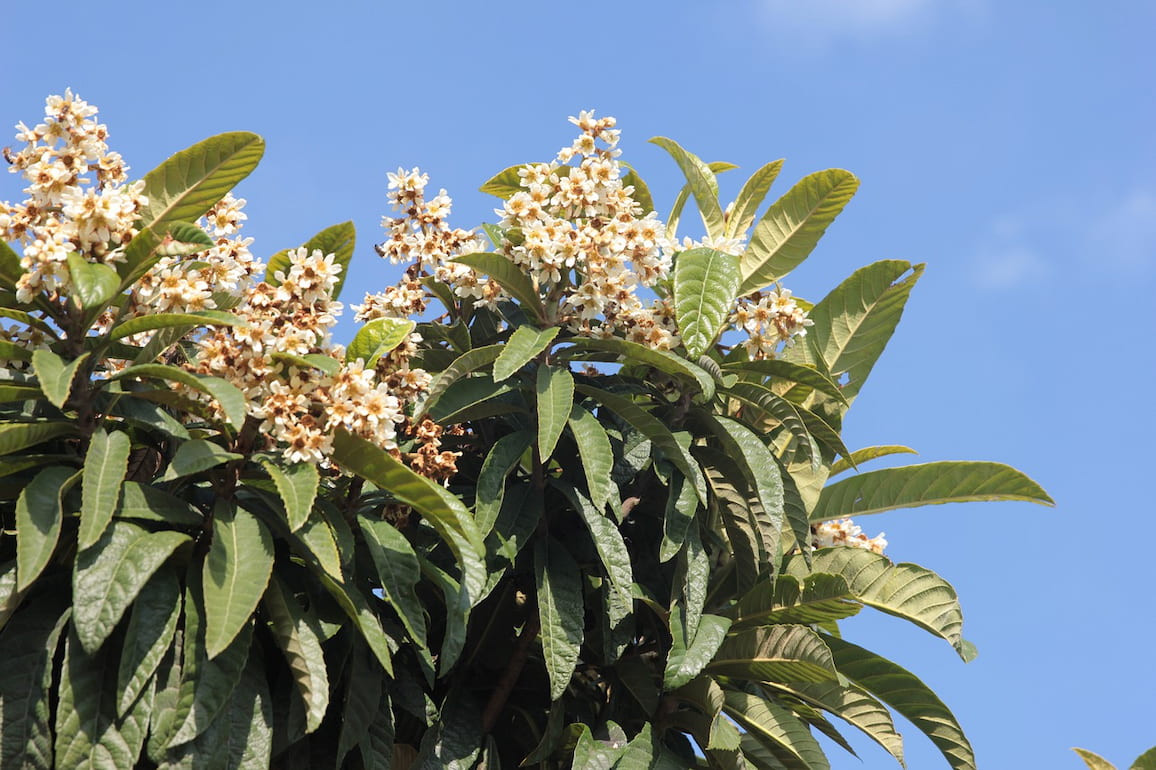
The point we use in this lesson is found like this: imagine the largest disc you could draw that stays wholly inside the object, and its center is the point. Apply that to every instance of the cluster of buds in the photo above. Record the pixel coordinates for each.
(845, 532)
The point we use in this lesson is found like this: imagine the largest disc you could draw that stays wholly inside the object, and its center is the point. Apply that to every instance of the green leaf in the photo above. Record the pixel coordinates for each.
(686, 661)
(399, 572)
(747, 203)
(297, 485)
(925, 484)
(641, 194)
(28, 649)
(905, 693)
(462, 365)
(190, 182)
(235, 574)
(788, 232)
(504, 456)
(596, 454)
(86, 733)
(228, 395)
(1146, 761)
(748, 553)
(807, 600)
(196, 456)
(378, 337)
(560, 610)
(555, 397)
(779, 410)
(141, 501)
(10, 268)
(906, 591)
(678, 519)
(152, 321)
(338, 240)
(777, 729)
(702, 184)
(10, 393)
(854, 322)
(182, 239)
(325, 363)
(14, 352)
(357, 609)
(151, 628)
(105, 467)
(790, 372)
(1094, 761)
(705, 281)
(361, 703)
(55, 376)
(110, 574)
(298, 634)
(39, 515)
(93, 284)
(654, 429)
(216, 679)
(525, 343)
(15, 436)
(784, 653)
(854, 706)
(860, 456)
(505, 183)
(633, 354)
(510, 277)
(440, 508)
(591, 754)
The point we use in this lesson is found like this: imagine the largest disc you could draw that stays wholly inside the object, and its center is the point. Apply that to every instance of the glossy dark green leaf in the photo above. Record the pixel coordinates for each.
(235, 574)
(398, 570)
(596, 454)
(362, 701)
(762, 472)
(503, 457)
(791, 228)
(633, 354)
(688, 656)
(151, 628)
(297, 485)
(368, 624)
(216, 679)
(105, 467)
(93, 284)
(555, 398)
(705, 281)
(462, 365)
(560, 610)
(27, 650)
(523, 345)
(39, 516)
(230, 398)
(776, 728)
(378, 337)
(195, 456)
(55, 376)
(86, 733)
(681, 507)
(153, 321)
(141, 501)
(854, 706)
(110, 574)
(298, 634)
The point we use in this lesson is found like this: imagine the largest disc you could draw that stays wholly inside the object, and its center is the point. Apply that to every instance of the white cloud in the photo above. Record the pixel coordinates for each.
(1010, 267)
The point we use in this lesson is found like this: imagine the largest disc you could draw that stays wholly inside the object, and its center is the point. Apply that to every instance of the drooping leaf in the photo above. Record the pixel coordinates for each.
(777, 729)
(702, 183)
(777, 409)
(815, 598)
(854, 322)
(297, 484)
(705, 281)
(338, 240)
(560, 611)
(788, 232)
(555, 396)
(678, 519)
(216, 679)
(86, 733)
(368, 624)
(110, 574)
(634, 354)
(27, 650)
(378, 337)
(362, 701)
(593, 754)
(790, 372)
(688, 656)
(785, 653)
(905, 693)
(456, 740)
(399, 572)
(235, 574)
(510, 277)
(195, 456)
(854, 706)
(299, 636)
(93, 284)
(141, 501)
(55, 376)
(10, 268)
(186, 185)
(860, 456)
(907, 591)
(151, 628)
(1094, 761)
(105, 467)
(747, 203)
(502, 458)
(230, 398)
(925, 484)
(525, 343)
(153, 321)
(1146, 761)
(462, 365)
(746, 545)
(39, 516)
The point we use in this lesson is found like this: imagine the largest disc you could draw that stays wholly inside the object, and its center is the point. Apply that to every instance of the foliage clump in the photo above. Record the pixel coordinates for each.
(583, 515)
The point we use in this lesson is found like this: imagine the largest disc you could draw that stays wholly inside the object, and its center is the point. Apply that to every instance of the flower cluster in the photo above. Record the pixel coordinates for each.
(770, 319)
(65, 212)
(845, 532)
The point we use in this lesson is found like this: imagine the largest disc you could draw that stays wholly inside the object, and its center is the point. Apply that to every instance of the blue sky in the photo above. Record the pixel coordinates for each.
(1009, 145)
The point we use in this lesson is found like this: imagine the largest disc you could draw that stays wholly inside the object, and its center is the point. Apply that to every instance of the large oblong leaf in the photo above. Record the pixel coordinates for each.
(153, 321)
(151, 628)
(904, 692)
(511, 278)
(20, 435)
(560, 610)
(688, 656)
(298, 634)
(190, 182)
(789, 371)
(105, 467)
(784, 653)
(28, 650)
(632, 354)
(702, 183)
(464, 364)
(399, 571)
(228, 395)
(378, 337)
(502, 458)
(86, 734)
(776, 728)
(39, 516)
(55, 376)
(597, 456)
(854, 706)
(788, 232)
(747, 202)
(525, 343)
(705, 281)
(297, 484)
(926, 484)
(338, 240)
(110, 574)
(234, 575)
(866, 454)
(555, 398)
